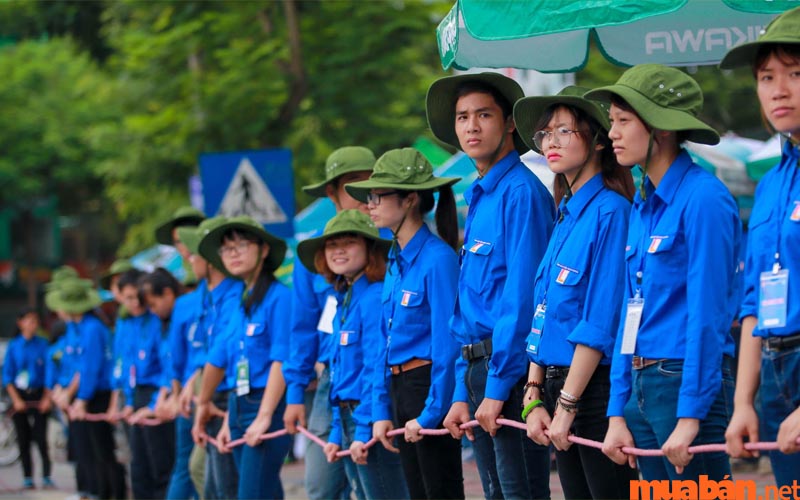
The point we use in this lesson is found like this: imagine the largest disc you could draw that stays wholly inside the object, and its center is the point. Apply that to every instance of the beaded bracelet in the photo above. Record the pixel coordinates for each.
(533, 383)
(568, 406)
(530, 407)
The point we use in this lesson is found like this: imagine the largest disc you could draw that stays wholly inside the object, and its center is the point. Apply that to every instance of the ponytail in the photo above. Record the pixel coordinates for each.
(446, 217)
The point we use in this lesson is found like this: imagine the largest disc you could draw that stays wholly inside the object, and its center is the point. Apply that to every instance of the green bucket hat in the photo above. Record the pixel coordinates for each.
(528, 110)
(212, 240)
(405, 169)
(784, 30)
(191, 235)
(440, 104)
(665, 98)
(184, 216)
(73, 296)
(345, 222)
(119, 266)
(342, 161)
(61, 274)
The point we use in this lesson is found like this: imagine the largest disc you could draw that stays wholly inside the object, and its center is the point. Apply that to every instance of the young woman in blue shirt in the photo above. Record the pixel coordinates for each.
(24, 380)
(418, 298)
(352, 257)
(250, 354)
(671, 383)
(573, 331)
(769, 356)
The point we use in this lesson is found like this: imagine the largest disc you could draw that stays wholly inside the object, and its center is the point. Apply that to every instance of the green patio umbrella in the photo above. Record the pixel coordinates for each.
(552, 36)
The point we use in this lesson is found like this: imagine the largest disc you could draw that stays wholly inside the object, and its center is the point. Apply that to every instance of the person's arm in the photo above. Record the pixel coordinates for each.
(528, 221)
(298, 370)
(744, 421)
(370, 325)
(441, 284)
(90, 366)
(712, 232)
(538, 419)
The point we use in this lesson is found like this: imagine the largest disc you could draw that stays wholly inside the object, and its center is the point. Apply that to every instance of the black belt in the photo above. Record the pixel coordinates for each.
(563, 371)
(348, 404)
(478, 350)
(781, 343)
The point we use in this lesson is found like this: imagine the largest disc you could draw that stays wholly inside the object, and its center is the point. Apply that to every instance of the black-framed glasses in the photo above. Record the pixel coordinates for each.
(561, 137)
(375, 198)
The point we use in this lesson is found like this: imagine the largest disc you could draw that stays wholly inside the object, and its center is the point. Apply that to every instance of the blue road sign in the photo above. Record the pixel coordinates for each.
(258, 183)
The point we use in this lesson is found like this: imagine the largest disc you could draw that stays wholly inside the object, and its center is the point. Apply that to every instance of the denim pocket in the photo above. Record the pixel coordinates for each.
(671, 368)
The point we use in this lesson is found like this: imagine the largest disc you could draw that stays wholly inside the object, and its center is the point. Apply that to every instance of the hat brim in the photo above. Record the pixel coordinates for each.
(55, 302)
(307, 249)
(658, 117)
(319, 190)
(164, 231)
(528, 111)
(360, 190)
(188, 236)
(211, 241)
(745, 54)
(440, 109)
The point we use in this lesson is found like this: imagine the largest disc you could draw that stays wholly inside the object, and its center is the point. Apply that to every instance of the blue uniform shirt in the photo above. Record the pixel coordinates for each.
(146, 363)
(262, 337)
(69, 360)
(185, 333)
(225, 301)
(776, 214)
(308, 345)
(54, 362)
(684, 239)
(354, 363)
(93, 361)
(508, 225)
(24, 365)
(418, 297)
(582, 272)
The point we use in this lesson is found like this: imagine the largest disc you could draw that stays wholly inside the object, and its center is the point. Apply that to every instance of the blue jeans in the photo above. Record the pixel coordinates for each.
(780, 395)
(650, 416)
(259, 466)
(323, 480)
(222, 478)
(503, 474)
(180, 484)
(382, 477)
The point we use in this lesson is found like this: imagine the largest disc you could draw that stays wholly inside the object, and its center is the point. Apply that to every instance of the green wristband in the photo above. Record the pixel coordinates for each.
(530, 407)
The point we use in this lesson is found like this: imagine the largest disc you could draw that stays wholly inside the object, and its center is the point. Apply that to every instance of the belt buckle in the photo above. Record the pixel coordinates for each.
(638, 362)
(466, 352)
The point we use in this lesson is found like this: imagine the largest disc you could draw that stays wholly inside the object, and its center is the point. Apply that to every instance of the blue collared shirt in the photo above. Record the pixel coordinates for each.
(185, 334)
(93, 357)
(54, 363)
(581, 273)
(357, 331)
(776, 214)
(147, 363)
(24, 365)
(69, 360)
(307, 344)
(684, 240)
(419, 293)
(508, 225)
(261, 337)
(225, 301)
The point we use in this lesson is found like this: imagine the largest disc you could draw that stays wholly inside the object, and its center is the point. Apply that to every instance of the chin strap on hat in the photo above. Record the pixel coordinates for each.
(646, 162)
(395, 248)
(568, 185)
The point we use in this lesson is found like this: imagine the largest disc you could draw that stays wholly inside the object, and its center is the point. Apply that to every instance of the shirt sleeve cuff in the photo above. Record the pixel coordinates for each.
(427, 421)
(460, 394)
(693, 407)
(497, 388)
(381, 412)
(593, 337)
(335, 436)
(294, 394)
(363, 433)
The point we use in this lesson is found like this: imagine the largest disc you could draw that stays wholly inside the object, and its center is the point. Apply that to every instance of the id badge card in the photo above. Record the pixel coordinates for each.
(633, 318)
(23, 380)
(772, 299)
(328, 313)
(242, 377)
(537, 327)
(132, 376)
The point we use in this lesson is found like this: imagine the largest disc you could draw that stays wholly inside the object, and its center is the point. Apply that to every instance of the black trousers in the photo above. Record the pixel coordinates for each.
(586, 472)
(97, 467)
(152, 452)
(432, 466)
(32, 426)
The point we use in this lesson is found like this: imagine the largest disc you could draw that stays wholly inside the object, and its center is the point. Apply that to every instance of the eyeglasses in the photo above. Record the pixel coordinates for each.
(375, 198)
(239, 247)
(561, 136)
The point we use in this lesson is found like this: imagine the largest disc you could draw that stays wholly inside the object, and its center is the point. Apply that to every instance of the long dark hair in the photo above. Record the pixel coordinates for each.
(265, 276)
(615, 177)
(446, 217)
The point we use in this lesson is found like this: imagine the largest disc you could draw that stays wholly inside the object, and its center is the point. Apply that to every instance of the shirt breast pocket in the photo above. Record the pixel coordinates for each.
(568, 286)
(349, 338)
(667, 258)
(410, 310)
(256, 341)
(478, 255)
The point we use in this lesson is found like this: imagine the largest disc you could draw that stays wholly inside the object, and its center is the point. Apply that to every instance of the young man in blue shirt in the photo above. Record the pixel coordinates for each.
(508, 225)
